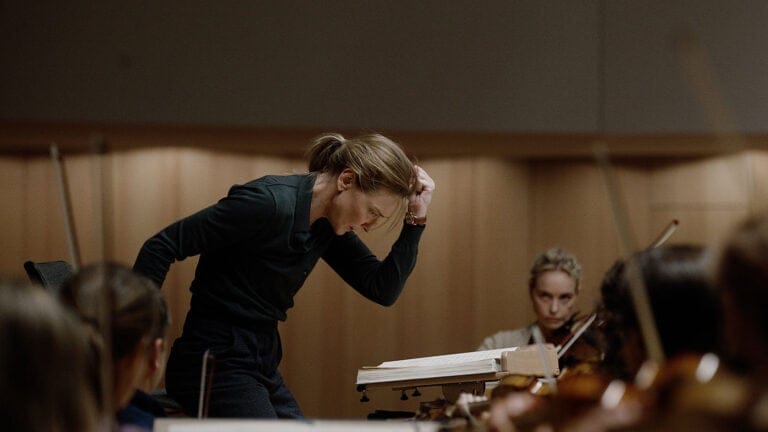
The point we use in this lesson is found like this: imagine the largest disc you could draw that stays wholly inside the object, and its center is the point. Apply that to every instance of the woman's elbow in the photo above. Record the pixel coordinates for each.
(388, 299)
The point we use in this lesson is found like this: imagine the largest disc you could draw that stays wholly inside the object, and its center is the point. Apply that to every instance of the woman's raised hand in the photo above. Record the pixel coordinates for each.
(419, 200)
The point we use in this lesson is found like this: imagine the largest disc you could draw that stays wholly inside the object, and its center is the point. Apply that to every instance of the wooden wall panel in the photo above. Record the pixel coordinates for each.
(708, 227)
(443, 277)
(712, 182)
(759, 170)
(499, 249)
(570, 208)
(12, 216)
(34, 216)
(145, 196)
(708, 196)
(43, 226)
(85, 192)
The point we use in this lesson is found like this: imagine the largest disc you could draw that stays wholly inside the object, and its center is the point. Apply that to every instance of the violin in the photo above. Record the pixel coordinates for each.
(698, 391)
(580, 342)
(579, 351)
(687, 392)
(580, 400)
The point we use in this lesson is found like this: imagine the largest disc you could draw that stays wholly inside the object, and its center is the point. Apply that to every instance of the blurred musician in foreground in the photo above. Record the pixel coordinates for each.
(554, 289)
(127, 317)
(740, 399)
(44, 375)
(744, 281)
(679, 280)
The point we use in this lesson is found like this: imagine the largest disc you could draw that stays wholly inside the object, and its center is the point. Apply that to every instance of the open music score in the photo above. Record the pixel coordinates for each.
(488, 365)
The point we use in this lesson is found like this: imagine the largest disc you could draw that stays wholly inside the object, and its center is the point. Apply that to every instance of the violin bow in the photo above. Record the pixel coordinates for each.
(698, 73)
(563, 349)
(66, 206)
(665, 235)
(640, 301)
(102, 182)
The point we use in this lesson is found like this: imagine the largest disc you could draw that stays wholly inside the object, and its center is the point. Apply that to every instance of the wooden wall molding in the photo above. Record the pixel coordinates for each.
(34, 138)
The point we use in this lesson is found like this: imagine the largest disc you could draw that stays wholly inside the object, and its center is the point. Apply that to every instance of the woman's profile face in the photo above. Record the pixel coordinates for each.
(354, 209)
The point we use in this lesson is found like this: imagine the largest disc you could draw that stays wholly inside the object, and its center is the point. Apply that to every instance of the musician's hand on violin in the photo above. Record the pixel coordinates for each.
(419, 200)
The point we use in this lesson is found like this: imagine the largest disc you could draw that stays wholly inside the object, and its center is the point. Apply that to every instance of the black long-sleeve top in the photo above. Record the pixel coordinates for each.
(256, 249)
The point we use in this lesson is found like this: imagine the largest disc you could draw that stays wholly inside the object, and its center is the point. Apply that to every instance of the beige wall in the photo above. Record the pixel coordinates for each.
(489, 218)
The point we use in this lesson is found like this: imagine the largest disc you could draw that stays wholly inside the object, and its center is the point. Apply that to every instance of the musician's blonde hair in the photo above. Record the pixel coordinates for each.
(555, 259)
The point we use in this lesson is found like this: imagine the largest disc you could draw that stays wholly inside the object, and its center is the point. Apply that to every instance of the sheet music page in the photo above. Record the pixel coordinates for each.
(447, 359)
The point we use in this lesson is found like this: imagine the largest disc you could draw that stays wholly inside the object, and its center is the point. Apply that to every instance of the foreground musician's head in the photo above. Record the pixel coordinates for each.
(128, 318)
(553, 287)
(744, 280)
(44, 376)
(678, 280)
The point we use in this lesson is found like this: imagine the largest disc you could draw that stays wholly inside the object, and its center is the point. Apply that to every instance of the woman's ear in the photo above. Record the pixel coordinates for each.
(346, 179)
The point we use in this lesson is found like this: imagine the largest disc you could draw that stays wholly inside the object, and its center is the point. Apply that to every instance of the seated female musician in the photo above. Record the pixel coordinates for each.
(686, 312)
(553, 286)
(44, 381)
(128, 319)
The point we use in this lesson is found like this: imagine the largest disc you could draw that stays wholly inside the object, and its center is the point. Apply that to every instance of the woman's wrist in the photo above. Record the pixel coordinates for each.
(412, 219)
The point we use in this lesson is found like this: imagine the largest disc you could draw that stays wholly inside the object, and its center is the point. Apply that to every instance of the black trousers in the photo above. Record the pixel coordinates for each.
(246, 382)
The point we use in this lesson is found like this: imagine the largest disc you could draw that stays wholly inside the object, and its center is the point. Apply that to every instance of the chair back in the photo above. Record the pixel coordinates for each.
(52, 275)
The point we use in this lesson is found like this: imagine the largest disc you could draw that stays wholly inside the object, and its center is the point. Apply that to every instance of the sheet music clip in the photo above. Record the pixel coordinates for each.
(364, 395)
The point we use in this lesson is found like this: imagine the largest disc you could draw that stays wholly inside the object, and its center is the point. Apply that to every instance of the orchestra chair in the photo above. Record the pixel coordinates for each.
(52, 275)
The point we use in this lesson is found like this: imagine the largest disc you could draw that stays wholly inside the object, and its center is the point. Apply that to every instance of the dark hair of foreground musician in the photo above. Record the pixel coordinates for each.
(257, 246)
(44, 364)
(679, 280)
(744, 279)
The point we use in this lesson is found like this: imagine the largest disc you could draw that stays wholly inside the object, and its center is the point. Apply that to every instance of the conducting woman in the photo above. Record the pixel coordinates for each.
(257, 246)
